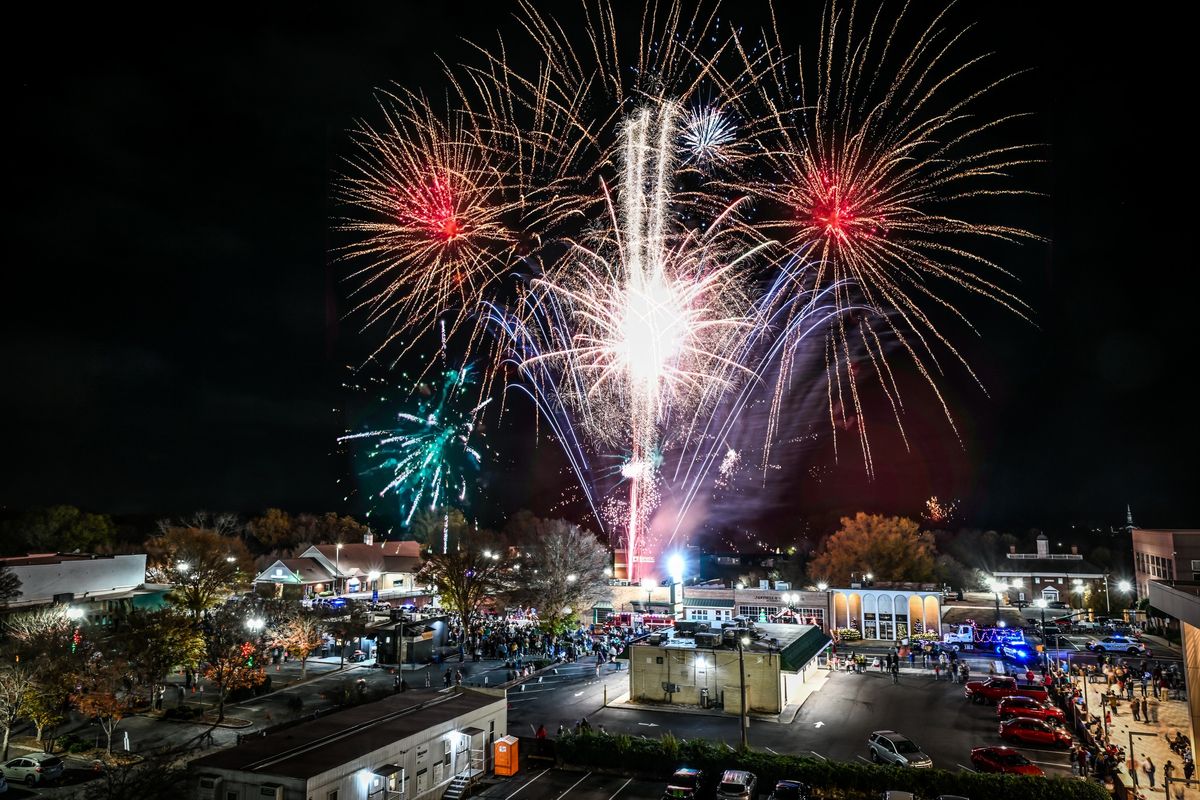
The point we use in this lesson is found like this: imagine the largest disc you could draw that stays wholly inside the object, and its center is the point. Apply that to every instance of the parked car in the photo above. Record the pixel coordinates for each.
(1019, 652)
(1034, 731)
(889, 747)
(1021, 706)
(1118, 644)
(737, 784)
(3, 785)
(33, 768)
(1003, 759)
(684, 784)
(897, 794)
(790, 790)
(1059, 604)
(997, 687)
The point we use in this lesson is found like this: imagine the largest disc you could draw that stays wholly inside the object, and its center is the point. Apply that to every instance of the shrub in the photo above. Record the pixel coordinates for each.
(79, 747)
(833, 779)
(925, 637)
(848, 634)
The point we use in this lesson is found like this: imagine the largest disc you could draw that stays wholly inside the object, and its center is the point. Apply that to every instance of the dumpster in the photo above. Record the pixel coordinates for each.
(506, 755)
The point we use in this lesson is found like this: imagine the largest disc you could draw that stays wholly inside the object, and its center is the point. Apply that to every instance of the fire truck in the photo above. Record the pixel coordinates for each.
(966, 637)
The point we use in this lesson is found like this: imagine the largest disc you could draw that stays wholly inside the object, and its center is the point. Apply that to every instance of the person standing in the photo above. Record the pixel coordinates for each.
(1081, 758)
(1137, 716)
(1168, 772)
(1150, 769)
(1145, 710)
(937, 671)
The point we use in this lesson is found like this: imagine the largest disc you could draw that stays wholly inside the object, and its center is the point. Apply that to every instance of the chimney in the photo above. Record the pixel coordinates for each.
(368, 537)
(1043, 546)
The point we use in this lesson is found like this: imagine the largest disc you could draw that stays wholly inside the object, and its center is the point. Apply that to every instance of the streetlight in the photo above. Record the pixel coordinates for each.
(572, 578)
(255, 624)
(675, 567)
(373, 576)
(743, 641)
(74, 613)
(996, 586)
(183, 567)
(648, 585)
(1041, 604)
(337, 561)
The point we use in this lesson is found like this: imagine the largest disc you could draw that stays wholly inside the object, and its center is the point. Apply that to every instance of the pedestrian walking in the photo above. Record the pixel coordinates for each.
(937, 672)
(1145, 710)
(1081, 758)
(1168, 772)
(1149, 768)
(1137, 715)
(1129, 690)
(896, 671)
(1189, 769)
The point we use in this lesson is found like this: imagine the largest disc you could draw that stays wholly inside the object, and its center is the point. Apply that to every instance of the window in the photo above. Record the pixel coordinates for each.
(232, 796)
(332, 795)
(1196, 564)
(446, 752)
(698, 613)
(422, 780)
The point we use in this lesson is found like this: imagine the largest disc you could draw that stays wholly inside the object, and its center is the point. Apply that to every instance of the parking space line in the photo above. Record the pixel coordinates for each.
(864, 758)
(540, 775)
(818, 755)
(572, 786)
(618, 791)
(963, 766)
(769, 750)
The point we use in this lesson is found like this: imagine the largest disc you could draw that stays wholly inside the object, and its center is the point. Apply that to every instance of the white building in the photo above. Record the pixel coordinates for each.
(389, 567)
(888, 612)
(410, 746)
(101, 585)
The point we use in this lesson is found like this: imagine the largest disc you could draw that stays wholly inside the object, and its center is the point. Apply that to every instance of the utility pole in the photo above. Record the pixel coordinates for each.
(745, 720)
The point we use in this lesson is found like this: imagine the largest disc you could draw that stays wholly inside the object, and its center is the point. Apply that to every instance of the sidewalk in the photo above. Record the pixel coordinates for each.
(1166, 717)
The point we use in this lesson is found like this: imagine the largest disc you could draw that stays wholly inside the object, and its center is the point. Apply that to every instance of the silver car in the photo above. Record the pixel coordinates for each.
(737, 784)
(889, 747)
(33, 768)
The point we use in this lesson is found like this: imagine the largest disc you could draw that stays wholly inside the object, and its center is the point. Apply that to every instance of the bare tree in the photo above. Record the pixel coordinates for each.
(559, 570)
(16, 686)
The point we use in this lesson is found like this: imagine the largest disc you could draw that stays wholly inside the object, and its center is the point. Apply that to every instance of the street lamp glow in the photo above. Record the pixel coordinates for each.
(183, 566)
(231, 559)
(487, 553)
(608, 572)
(1124, 586)
(1040, 602)
(870, 576)
(822, 586)
(255, 623)
(373, 575)
(649, 583)
(675, 567)
(572, 578)
(75, 613)
(1078, 581)
(745, 641)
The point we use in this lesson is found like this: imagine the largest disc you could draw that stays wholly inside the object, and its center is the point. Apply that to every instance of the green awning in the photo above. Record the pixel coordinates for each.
(797, 654)
(707, 602)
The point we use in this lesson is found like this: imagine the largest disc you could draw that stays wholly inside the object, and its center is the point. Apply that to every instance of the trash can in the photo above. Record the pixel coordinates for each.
(704, 698)
(506, 755)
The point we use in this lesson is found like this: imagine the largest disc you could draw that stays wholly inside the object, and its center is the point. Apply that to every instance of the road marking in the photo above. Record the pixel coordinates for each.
(769, 750)
(518, 791)
(1051, 764)
(618, 791)
(578, 693)
(818, 755)
(649, 724)
(864, 758)
(963, 766)
(572, 786)
(818, 724)
(1051, 752)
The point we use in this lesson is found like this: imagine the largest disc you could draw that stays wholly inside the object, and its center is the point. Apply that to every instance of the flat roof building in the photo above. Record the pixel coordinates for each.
(411, 745)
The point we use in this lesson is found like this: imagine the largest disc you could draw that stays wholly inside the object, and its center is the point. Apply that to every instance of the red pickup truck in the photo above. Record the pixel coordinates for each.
(999, 686)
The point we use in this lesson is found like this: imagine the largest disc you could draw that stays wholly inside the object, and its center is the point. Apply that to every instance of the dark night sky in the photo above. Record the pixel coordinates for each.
(172, 336)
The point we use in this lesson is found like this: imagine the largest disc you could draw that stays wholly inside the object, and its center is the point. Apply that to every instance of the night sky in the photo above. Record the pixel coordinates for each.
(174, 334)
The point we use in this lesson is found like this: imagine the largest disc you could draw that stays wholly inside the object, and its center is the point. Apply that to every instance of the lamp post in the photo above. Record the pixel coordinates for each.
(337, 563)
(745, 717)
(1041, 604)
(648, 585)
(996, 586)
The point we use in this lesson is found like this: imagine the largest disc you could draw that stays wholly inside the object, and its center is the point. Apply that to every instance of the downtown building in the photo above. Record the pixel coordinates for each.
(101, 586)
(410, 746)
(1164, 555)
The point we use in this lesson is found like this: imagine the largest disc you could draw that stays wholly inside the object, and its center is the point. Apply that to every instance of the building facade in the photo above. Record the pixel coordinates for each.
(887, 611)
(1165, 555)
(409, 746)
(1053, 577)
(678, 672)
(100, 585)
(389, 568)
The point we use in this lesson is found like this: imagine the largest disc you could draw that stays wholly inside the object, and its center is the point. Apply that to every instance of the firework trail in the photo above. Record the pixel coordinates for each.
(700, 226)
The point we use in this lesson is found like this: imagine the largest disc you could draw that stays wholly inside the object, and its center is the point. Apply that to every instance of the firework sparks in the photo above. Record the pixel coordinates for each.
(427, 209)
(429, 455)
(874, 179)
(696, 234)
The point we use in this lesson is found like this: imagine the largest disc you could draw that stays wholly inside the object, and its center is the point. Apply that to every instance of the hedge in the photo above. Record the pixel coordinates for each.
(833, 780)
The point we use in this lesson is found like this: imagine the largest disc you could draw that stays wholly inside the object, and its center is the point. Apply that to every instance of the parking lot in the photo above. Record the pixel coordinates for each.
(559, 784)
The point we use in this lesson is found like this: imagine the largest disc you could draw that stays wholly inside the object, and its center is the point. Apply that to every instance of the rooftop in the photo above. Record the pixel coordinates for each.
(31, 559)
(1049, 566)
(320, 745)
